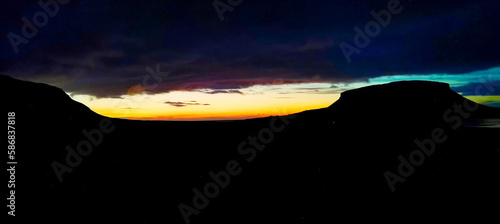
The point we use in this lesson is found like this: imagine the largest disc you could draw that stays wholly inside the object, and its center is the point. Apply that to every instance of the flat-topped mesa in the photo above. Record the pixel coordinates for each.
(402, 88)
(396, 101)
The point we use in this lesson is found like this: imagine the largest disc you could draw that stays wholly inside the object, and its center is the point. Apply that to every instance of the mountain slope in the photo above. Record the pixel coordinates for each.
(318, 165)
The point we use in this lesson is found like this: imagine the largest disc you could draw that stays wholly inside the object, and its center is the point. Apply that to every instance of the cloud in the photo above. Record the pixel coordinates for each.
(184, 104)
(317, 44)
(220, 91)
(100, 48)
(474, 88)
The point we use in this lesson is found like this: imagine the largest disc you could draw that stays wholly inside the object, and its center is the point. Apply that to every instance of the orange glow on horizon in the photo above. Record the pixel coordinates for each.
(254, 102)
(199, 115)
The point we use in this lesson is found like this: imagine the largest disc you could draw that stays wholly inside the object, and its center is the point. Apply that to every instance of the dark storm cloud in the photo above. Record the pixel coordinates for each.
(102, 47)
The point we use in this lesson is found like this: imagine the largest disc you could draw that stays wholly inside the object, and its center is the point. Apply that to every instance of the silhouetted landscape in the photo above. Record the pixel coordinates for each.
(342, 162)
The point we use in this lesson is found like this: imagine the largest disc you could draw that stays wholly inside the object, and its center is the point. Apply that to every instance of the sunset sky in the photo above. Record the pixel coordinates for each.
(177, 60)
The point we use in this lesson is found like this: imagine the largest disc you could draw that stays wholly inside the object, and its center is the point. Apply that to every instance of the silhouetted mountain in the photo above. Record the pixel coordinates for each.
(320, 165)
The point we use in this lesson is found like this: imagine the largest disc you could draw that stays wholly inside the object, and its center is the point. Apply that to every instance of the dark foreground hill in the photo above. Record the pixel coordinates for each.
(399, 151)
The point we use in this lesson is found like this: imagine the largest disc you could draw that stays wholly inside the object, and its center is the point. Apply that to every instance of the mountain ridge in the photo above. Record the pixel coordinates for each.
(404, 88)
(314, 164)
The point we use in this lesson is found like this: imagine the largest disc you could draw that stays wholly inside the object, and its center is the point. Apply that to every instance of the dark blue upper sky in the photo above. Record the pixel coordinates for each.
(101, 47)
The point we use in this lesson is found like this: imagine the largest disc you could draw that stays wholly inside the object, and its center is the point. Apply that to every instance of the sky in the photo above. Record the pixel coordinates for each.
(238, 59)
